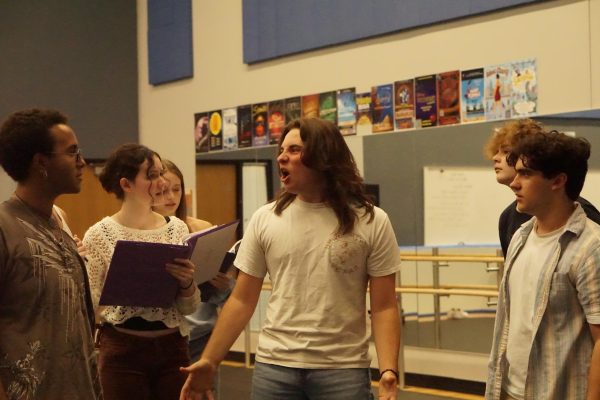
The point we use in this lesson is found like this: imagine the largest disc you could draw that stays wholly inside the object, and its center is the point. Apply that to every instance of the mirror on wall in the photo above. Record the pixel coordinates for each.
(459, 319)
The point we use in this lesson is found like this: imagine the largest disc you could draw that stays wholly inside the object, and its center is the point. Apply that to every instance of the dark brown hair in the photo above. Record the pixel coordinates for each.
(553, 153)
(125, 162)
(326, 152)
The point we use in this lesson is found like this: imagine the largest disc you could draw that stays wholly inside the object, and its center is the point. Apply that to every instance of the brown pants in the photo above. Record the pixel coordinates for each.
(133, 367)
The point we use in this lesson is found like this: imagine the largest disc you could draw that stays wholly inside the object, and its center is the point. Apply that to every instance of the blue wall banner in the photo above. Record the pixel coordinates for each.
(170, 52)
(275, 28)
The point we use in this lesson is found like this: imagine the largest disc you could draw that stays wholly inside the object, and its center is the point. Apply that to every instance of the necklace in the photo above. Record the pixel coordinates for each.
(50, 228)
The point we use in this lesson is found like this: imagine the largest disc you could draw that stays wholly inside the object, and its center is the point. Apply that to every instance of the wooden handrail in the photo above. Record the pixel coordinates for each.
(447, 291)
(469, 287)
(450, 292)
(452, 258)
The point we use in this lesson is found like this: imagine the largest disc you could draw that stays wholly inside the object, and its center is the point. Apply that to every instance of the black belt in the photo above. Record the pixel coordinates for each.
(140, 324)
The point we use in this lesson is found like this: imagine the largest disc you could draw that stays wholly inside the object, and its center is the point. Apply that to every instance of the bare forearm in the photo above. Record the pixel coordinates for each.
(231, 322)
(385, 320)
(386, 334)
(233, 318)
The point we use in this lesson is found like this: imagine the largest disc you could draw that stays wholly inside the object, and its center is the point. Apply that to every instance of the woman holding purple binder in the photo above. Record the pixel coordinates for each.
(215, 291)
(141, 348)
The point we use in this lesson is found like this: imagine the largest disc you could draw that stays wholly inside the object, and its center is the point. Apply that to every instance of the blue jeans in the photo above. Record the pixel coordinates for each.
(274, 382)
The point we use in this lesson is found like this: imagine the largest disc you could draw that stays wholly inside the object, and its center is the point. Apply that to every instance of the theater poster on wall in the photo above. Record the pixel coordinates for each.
(497, 92)
(448, 92)
(310, 106)
(276, 120)
(382, 107)
(244, 126)
(201, 132)
(260, 125)
(230, 128)
(472, 108)
(524, 88)
(215, 127)
(426, 101)
(346, 109)
(364, 122)
(404, 104)
(293, 109)
(328, 106)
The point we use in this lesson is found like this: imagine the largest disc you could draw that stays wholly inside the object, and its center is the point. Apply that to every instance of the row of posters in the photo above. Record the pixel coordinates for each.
(495, 92)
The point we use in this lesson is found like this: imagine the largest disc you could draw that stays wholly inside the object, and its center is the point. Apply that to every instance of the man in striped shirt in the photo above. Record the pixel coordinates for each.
(548, 319)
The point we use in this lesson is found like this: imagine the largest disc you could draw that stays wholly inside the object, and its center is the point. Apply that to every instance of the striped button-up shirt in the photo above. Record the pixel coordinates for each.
(567, 300)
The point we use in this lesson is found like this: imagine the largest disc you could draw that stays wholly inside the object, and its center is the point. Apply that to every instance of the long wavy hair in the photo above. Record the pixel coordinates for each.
(181, 211)
(326, 152)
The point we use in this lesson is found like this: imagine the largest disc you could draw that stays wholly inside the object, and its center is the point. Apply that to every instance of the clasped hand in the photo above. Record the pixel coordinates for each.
(182, 269)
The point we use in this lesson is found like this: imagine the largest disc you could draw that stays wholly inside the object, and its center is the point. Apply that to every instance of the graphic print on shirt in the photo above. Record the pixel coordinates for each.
(25, 379)
(48, 255)
(346, 252)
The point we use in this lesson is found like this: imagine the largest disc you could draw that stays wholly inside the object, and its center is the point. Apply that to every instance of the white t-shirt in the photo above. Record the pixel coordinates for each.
(522, 283)
(316, 315)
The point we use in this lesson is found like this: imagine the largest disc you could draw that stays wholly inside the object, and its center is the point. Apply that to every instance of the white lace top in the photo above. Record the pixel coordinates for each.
(100, 241)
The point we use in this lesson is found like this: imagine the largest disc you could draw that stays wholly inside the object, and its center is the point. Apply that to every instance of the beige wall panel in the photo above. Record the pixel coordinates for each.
(595, 51)
(90, 205)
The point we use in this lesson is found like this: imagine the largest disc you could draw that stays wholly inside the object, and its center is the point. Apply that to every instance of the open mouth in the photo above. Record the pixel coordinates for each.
(284, 174)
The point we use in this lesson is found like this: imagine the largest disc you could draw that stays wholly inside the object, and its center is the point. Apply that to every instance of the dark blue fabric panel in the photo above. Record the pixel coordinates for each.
(587, 114)
(170, 54)
(273, 28)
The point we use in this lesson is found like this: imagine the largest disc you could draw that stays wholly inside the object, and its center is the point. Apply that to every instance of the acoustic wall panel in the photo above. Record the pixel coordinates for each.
(274, 28)
(170, 53)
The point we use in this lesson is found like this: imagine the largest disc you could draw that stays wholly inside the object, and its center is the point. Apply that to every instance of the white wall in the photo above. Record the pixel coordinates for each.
(594, 23)
(560, 34)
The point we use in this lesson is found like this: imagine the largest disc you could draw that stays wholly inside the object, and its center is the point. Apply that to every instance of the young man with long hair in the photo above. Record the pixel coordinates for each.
(322, 242)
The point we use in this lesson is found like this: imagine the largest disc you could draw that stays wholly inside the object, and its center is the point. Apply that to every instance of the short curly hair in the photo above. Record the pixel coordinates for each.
(24, 134)
(509, 133)
(553, 153)
(125, 162)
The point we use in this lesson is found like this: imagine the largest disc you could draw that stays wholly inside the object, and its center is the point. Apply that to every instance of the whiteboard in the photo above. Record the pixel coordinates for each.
(591, 188)
(462, 204)
(254, 189)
